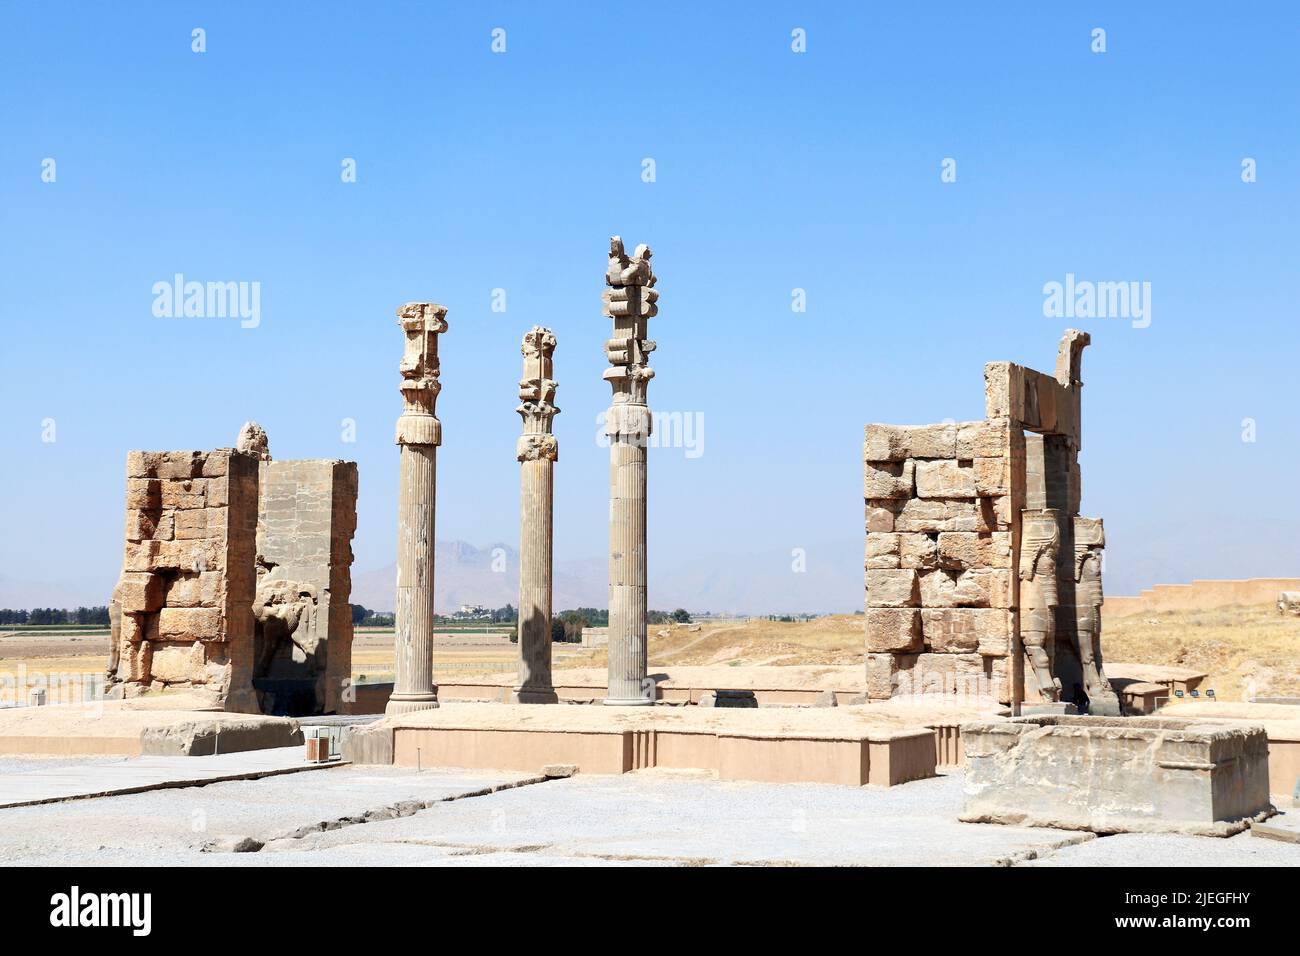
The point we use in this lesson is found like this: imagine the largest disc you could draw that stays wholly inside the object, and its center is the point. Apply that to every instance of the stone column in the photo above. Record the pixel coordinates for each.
(419, 434)
(630, 301)
(537, 451)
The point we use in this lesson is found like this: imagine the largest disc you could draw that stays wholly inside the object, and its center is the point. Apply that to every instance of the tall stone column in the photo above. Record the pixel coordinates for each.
(630, 301)
(419, 434)
(537, 452)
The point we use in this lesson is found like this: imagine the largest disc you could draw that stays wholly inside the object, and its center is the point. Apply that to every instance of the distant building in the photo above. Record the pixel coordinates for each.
(468, 611)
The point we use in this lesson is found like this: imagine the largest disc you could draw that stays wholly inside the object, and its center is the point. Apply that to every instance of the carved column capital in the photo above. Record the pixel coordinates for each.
(422, 323)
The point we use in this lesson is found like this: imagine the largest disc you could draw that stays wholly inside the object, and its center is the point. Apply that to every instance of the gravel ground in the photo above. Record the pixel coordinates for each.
(170, 826)
(694, 819)
(651, 817)
(26, 762)
(1167, 850)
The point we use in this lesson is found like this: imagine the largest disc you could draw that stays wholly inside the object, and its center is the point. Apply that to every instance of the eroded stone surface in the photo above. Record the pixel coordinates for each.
(1114, 775)
(977, 525)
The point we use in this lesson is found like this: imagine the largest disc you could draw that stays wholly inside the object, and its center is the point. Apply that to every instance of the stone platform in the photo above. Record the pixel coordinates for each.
(1117, 775)
(1280, 721)
(880, 744)
(773, 686)
(127, 729)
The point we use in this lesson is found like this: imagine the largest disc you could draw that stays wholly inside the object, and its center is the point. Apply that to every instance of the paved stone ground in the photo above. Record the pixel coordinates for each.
(647, 818)
(37, 780)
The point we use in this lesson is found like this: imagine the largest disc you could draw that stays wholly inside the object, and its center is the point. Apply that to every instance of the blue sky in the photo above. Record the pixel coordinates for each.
(774, 171)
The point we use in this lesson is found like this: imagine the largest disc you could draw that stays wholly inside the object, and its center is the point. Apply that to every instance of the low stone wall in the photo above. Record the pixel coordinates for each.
(1115, 775)
(1199, 596)
(596, 741)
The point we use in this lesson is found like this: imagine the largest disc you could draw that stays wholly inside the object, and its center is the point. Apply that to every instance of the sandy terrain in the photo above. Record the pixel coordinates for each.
(1244, 650)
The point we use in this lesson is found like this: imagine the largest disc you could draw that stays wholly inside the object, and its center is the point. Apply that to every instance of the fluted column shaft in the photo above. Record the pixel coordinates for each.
(628, 680)
(419, 434)
(414, 688)
(537, 490)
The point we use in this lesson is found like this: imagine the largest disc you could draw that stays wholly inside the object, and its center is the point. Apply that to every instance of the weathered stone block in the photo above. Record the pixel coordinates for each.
(189, 623)
(131, 627)
(185, 493)
(931, 514)
(192, 524)
(143, 493)
(966, 675)
(892, 588)
(893, 630)
(887, 673)
(882, 550)
(984, 631)
(178, 662)
(134, 660)
(918, 550)
(881, 515)
(143, 525)
(986, 439)
(216, 464)
(993, 514)
(948, 478)
(945, 588)
(898, 442)
(888, 479)
(1116, 775)
(194, 589)
(992, 476)
(139, 592)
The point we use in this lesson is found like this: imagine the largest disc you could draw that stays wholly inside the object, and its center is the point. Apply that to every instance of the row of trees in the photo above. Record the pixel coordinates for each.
(55, 615)
(576, 619)
(565, 626)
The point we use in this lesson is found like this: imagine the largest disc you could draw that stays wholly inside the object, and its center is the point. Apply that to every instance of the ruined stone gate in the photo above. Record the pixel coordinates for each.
(981, 576)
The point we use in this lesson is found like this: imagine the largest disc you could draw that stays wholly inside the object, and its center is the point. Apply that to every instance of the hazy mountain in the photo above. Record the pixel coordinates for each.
(744, 583)
(29, 594)
(769, 582)
(465, 574)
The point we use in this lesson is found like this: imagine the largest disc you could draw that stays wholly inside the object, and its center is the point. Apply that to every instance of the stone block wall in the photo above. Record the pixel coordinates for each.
(236, 579)
(182, 609)
(981, 576)
(939, 563)
(306, 520)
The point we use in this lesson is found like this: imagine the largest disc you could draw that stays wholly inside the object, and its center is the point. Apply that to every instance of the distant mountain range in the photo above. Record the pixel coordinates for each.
(768, 582)
(754, 583)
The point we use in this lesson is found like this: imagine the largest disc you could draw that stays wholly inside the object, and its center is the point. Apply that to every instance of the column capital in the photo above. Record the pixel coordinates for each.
(537, 386)
(630, 300)
(422, 323)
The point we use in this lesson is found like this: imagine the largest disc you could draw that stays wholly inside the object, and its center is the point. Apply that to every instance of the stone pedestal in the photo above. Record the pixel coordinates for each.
(537, 452)
(630, 301)
(1117, 775)
(418, 434)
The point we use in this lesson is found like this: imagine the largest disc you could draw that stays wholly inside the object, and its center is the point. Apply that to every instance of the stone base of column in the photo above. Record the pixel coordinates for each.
(410, 704)
(534, 695)
(628, 702)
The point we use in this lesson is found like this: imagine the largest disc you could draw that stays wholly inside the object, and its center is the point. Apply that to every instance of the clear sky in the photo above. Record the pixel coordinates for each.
(774, 171)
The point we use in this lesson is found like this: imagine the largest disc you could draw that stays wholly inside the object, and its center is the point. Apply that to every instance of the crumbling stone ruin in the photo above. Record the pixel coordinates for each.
(182, 611)
(235, 579)
(981, 577)
(631, 301)
(302, 636)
